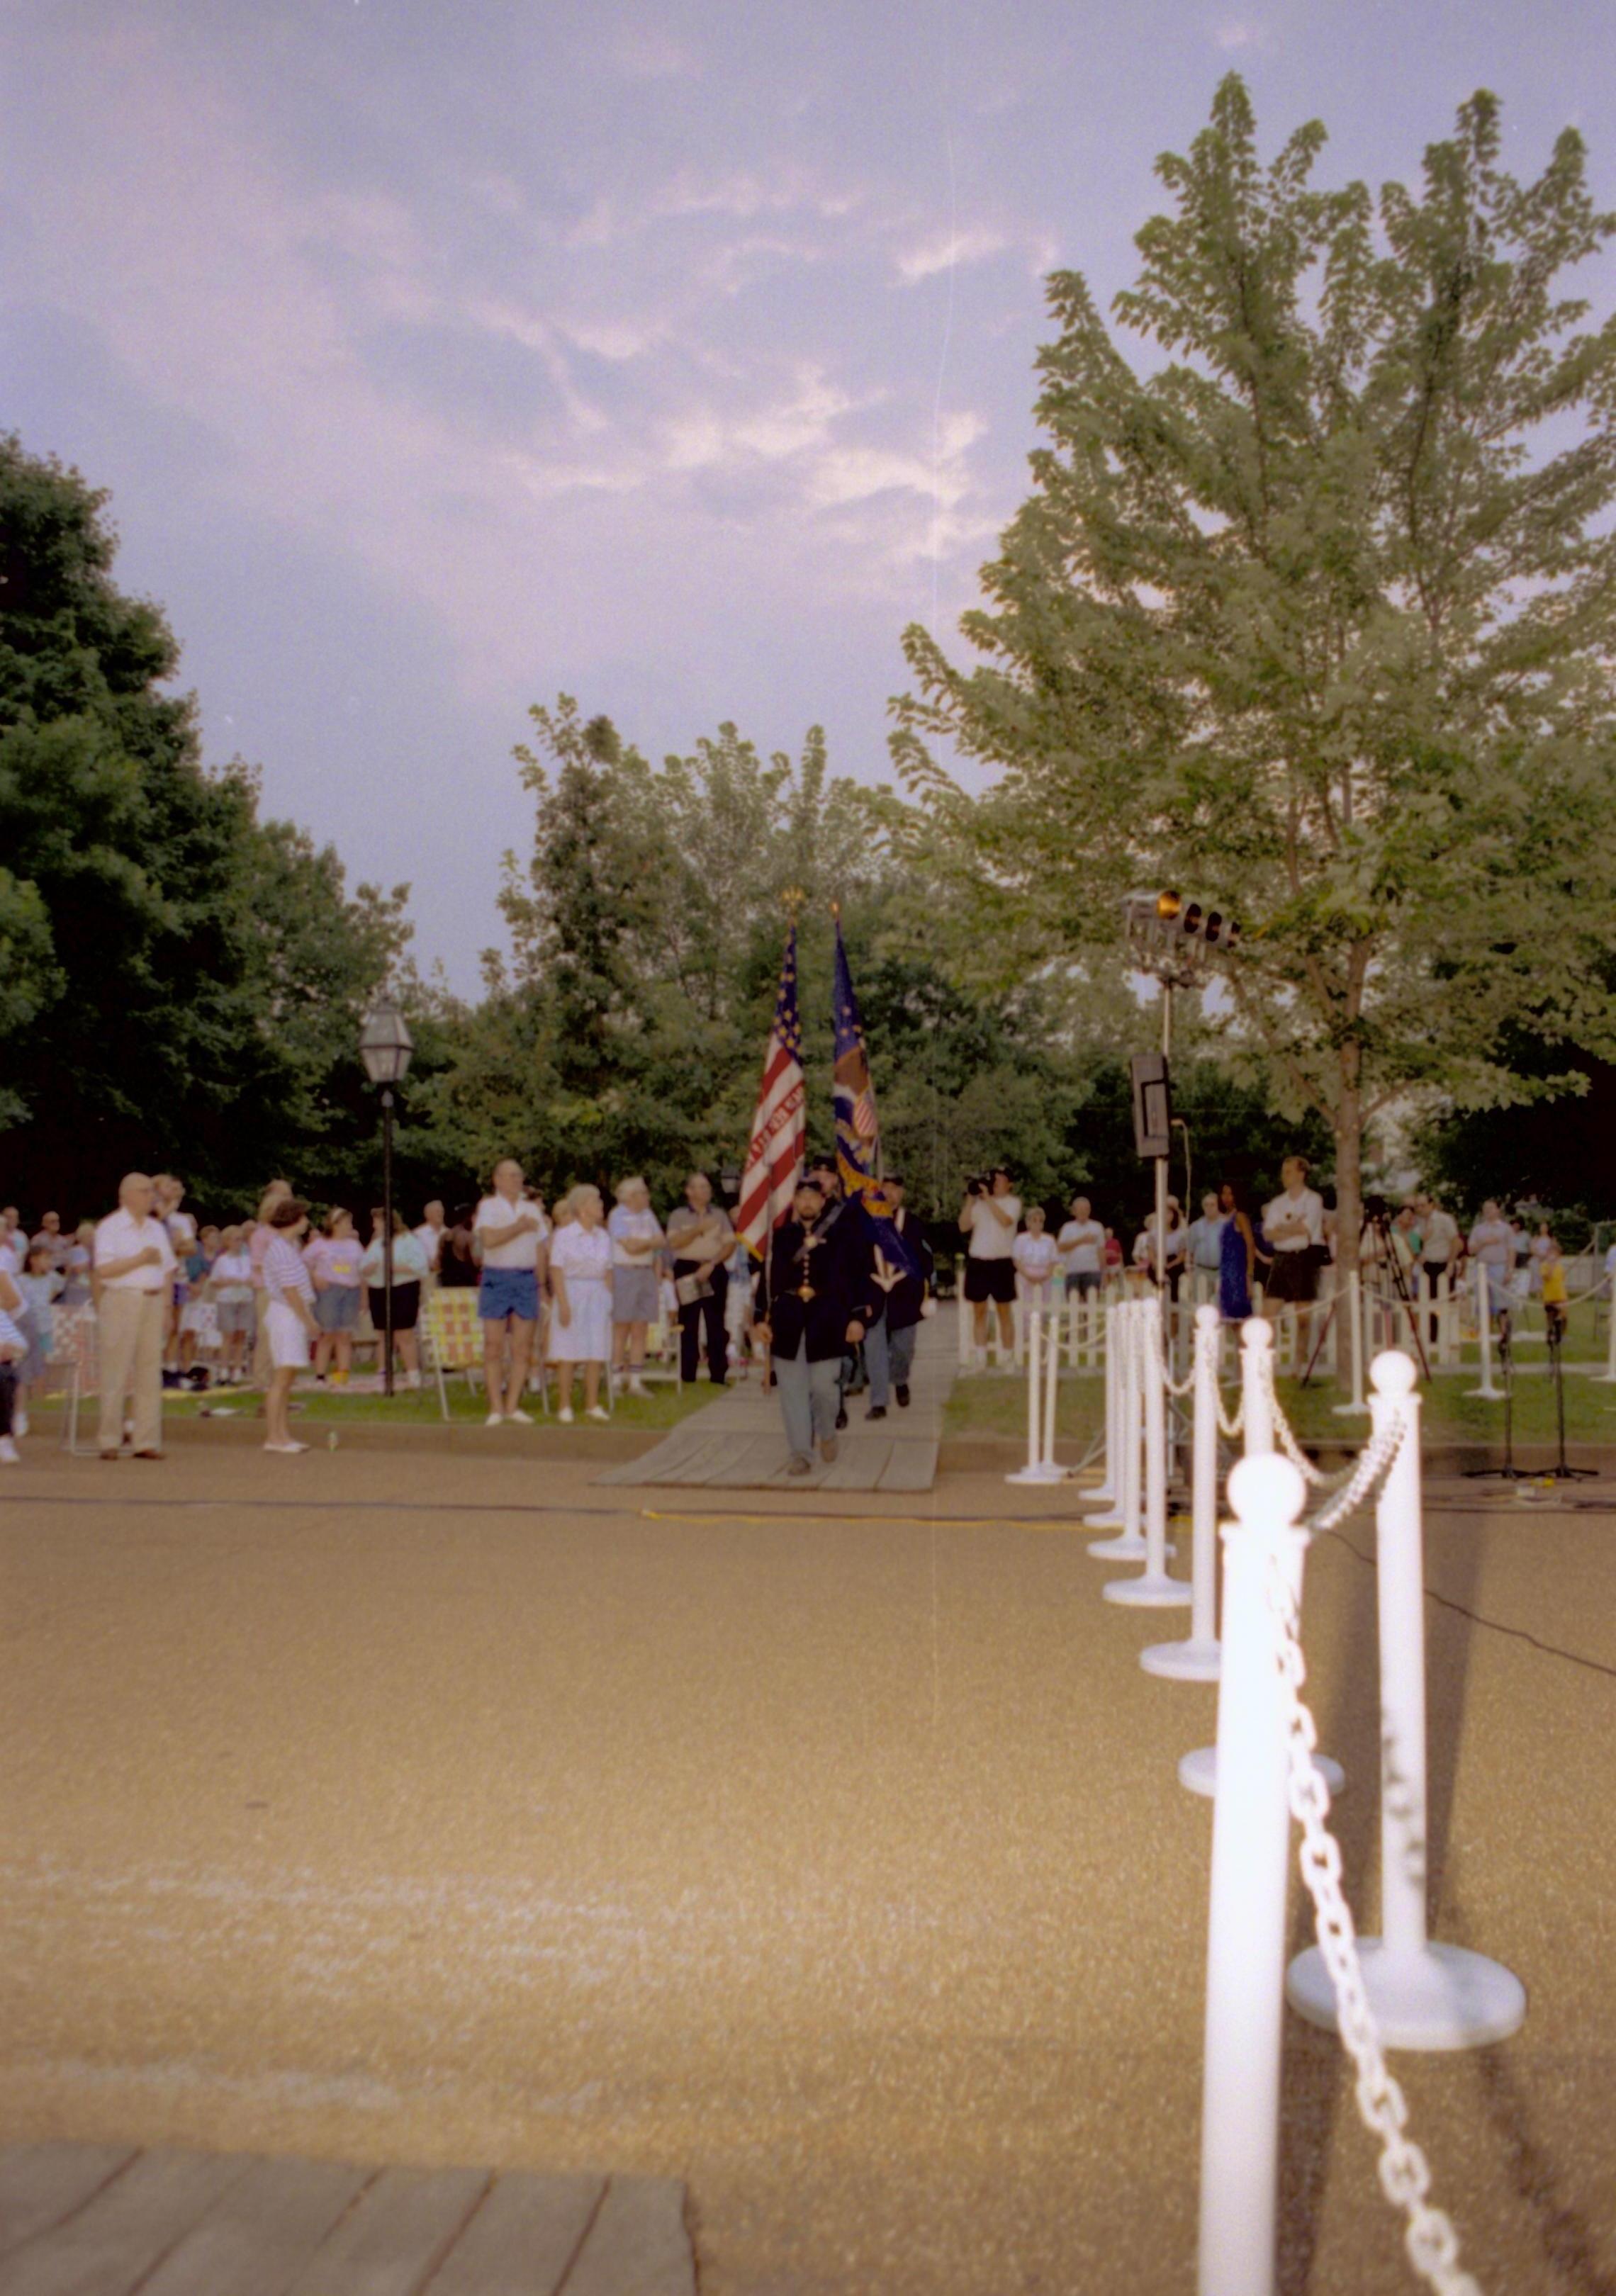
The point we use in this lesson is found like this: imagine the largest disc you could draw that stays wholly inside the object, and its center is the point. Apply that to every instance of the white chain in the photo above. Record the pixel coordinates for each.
(1374, 1461)
(1289, 1445)
(1164, 1370)
(1405, 2174)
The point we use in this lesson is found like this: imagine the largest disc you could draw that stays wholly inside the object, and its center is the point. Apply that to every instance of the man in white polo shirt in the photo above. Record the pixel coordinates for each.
(989, 1217)
(1293, 1224)
(133, 1272)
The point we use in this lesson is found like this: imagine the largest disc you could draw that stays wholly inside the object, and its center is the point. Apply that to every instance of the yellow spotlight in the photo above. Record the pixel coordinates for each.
(1168, 905)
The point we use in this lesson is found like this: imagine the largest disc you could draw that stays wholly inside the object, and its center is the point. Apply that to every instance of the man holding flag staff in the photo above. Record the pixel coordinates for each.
(814, 1304)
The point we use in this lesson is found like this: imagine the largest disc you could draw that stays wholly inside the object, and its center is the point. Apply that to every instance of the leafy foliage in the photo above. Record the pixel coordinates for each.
(1313, 618)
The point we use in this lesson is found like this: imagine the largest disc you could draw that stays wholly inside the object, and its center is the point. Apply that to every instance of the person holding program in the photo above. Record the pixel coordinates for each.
(510, 1236)
(134, 1279)
(989, 1219)
(700, 1240)
(288, 1318)
(581, 1302)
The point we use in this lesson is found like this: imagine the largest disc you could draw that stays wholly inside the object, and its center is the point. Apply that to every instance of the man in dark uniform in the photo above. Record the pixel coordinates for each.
(814, 1302)
(888, 1344)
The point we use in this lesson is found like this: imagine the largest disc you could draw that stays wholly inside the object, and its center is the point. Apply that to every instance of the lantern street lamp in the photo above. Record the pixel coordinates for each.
(385, 1046)
(1170, 940)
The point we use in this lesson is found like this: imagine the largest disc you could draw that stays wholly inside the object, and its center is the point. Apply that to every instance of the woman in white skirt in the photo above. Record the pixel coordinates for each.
(636, 1241)
(288, 1317)
(580, 1315)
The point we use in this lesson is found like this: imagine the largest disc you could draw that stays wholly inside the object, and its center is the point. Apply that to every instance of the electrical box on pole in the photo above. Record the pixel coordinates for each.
(1152, 1105)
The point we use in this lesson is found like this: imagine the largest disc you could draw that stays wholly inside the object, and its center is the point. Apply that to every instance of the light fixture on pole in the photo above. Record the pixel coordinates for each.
(1170, 939)
(385, 1047)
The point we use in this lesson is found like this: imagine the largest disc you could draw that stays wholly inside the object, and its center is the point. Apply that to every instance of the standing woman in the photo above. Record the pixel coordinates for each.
(289, 1316)
(637, 1245)
(409, 1277)
(581, 1293)
(1237, 1266)
(334, 1261)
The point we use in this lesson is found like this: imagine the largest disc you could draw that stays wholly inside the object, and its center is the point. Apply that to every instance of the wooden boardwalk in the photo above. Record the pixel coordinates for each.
(737, 1442)
(106, 2221)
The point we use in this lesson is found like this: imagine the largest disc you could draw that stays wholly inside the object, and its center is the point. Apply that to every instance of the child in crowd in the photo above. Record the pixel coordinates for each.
(334, 1259)
(1035, 1254)
(234, 1305)
(41, 1286)
(13, 1346)
(80, 1260)
(1114, 1252)
(1551, 1271)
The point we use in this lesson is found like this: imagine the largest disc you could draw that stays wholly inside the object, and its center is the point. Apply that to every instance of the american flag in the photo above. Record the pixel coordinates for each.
(773, 1161)
(857, 1131)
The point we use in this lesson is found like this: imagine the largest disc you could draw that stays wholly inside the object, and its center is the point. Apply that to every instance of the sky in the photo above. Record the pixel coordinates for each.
(442, 355)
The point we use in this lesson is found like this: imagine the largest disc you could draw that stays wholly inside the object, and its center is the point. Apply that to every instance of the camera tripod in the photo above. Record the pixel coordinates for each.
(1377, 1224)
(1507, 1471)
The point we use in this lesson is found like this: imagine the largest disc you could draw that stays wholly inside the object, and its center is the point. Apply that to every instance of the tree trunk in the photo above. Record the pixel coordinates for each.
(1348, 1184)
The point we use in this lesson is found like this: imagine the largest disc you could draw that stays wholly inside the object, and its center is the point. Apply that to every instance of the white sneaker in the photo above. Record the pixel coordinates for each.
(19, 1423)
(8, 1452)
(495, 1419)
(594, 1412)
(564, 1414)
(522, 1418)
(639, 1387)
(286, 1447)
(411, 1379)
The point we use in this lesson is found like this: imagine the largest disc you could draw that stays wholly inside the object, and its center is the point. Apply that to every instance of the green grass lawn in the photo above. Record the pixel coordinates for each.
(994, 1404)
(663, 1406)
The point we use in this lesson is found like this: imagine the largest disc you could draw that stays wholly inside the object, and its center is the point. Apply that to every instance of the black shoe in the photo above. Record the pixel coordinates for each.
(170, 1379)
(876, 1411)
(902, 1393)
(841, 1418)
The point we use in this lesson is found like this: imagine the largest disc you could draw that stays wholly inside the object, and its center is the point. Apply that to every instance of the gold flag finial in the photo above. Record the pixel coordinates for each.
(836, 911)
(792, 900)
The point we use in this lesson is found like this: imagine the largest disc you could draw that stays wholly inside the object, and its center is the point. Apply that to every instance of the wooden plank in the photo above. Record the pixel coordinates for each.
(128, 2228)
(859, 1464)
(681, 1459)
(637, 2245)
(911, 1467)
(755, 1459)
(393, 2242)
(41, 2185)
(263, 2232)
(523, 2238)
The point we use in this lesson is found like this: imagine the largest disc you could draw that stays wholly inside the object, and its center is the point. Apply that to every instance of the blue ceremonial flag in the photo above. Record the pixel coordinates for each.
(858, 1128)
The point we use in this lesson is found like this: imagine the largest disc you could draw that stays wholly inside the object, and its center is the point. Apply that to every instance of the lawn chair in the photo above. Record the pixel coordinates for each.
(450, 1332)
(75, 1354)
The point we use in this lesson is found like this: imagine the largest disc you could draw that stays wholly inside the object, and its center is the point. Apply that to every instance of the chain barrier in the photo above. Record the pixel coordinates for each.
(1175, 1387)
(1405, 2174)
(1374, 1461)
(1293, 1451)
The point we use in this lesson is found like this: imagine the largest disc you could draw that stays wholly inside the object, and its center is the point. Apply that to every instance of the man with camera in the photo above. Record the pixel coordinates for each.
(989, 1217)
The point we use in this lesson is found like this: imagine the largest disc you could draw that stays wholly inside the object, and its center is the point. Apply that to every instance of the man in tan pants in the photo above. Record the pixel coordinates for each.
(134, 1279)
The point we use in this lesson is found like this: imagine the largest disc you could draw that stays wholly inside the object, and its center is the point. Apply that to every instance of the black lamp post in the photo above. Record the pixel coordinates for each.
(385, 1046)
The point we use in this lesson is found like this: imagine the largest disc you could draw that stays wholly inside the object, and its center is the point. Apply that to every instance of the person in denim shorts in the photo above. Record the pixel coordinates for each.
(509, 1235)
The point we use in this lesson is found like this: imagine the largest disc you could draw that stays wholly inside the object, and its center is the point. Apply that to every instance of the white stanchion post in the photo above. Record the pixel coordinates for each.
(1198, 1770)
(1128, 1545)
(1423, 1996)
(1043, 1366)
(1607, 1377)
(1484, 1325)
(1349, 1302)
(964, 1307)
(1108, 1494)
(1152, 1589)
(1246, 1923)
(1196, 1659)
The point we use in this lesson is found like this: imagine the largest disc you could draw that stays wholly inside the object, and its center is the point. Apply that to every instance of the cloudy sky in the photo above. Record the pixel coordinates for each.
(442, 355)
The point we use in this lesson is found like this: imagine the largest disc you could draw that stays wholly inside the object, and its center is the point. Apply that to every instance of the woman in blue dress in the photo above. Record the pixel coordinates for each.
(1238, 1263)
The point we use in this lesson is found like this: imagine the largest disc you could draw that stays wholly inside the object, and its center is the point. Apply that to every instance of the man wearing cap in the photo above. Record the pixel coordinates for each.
(815, 1303)
(888, 1344)
(133, 1272)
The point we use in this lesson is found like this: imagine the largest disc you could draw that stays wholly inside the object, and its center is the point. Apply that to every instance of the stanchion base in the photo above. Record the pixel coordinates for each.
(1046, 1472)
(1199, 1772)
(1350, 1410)
(1154, 1591)
(1124, 1549)
(1101, 1495)
(1185, 1661)
(1109, 1520)
(1443, 1996)
(1487, 1394)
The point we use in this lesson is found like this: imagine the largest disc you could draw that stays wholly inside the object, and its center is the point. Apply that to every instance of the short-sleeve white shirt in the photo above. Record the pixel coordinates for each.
(119, 1237)
(644, 1227)
(1082, 1247)
(520, 1251)
(1308, 1206)
(430, 1239)
(1035, 1257)
(990, 1239)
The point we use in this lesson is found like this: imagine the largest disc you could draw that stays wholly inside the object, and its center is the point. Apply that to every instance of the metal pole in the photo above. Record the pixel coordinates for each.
(387, 1238)
(1167, 1046)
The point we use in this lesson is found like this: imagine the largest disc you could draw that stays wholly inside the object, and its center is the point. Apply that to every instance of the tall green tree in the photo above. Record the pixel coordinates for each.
(1311, 612)
(180, 981)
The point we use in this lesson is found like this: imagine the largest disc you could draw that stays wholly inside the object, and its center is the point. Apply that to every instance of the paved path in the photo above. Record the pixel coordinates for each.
(112, 2221)
(823, 1853)
(737, 1443)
